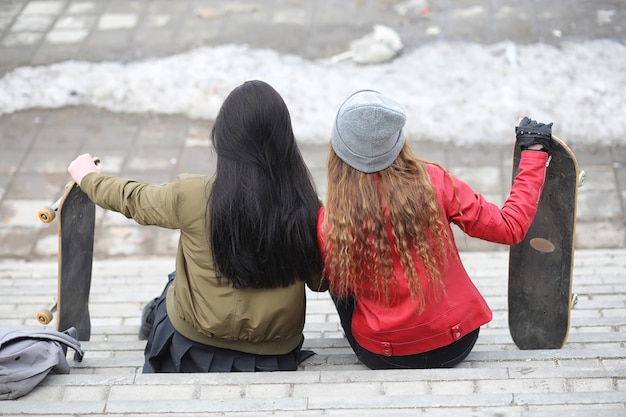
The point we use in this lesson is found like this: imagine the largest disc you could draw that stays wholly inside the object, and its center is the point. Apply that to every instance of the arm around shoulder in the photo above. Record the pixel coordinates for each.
(317, 283)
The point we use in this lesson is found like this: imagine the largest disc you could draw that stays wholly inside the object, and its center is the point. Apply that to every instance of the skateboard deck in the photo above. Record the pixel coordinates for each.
(540, 267)
(76, 223)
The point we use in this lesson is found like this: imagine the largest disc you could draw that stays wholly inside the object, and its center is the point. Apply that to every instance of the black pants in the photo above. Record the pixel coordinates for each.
(445, 357)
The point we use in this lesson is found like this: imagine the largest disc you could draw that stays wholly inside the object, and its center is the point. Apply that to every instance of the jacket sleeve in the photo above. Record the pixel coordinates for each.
(147, 204)
(484, 220)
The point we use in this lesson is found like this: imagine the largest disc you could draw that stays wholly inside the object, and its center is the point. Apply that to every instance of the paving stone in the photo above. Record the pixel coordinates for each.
(43, 8)
(111, 21)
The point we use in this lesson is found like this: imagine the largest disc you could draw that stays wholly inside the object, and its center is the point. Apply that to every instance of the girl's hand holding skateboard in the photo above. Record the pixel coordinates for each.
(533, 135)
(83, 165)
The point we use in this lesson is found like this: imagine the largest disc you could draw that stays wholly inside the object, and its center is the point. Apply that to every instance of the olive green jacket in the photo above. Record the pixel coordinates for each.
(257, 321)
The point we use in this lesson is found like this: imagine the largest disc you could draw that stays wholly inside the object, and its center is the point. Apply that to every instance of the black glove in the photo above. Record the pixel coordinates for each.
(529, 132)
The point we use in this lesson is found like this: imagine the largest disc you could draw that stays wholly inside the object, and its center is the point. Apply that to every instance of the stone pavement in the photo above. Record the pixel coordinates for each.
(37, 144)
(586, 378)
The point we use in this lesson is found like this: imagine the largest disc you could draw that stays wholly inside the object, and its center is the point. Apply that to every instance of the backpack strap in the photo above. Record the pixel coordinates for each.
(65, 338)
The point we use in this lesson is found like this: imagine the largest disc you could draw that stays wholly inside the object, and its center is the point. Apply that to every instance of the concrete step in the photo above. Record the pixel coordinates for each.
(585, 378)
(127, 356)
(499, 391)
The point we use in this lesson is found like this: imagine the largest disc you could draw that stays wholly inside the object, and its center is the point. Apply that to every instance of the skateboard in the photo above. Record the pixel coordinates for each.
(540, 267)
(76, 223)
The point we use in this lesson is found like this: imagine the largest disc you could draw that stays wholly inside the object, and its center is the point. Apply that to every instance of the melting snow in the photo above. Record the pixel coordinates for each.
(452, 92)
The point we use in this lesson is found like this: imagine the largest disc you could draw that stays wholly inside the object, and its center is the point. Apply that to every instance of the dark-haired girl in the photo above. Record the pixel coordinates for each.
(247, 243)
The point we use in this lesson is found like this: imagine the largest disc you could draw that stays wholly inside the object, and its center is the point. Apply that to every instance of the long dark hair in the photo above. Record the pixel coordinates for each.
(263, 207)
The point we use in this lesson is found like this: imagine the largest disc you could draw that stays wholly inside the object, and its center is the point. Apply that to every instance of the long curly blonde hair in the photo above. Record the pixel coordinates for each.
(359, 210)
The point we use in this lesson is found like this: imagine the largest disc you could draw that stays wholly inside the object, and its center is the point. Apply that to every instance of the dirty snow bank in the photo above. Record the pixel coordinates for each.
(453, 92)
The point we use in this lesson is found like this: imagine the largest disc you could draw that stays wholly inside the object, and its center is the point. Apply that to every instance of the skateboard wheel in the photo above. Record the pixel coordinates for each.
(574, 301)
(582, 176)
(46, 214)
(44, 316)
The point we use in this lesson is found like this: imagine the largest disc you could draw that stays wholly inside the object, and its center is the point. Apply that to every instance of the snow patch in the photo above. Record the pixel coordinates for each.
(452, 92)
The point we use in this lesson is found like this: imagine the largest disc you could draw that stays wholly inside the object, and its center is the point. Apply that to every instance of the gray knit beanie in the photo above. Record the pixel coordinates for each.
(367, 134)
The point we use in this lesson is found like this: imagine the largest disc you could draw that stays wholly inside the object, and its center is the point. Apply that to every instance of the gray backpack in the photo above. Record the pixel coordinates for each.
(28, 356)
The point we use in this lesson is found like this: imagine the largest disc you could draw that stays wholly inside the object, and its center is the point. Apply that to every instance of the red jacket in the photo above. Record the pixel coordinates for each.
(399, 329)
